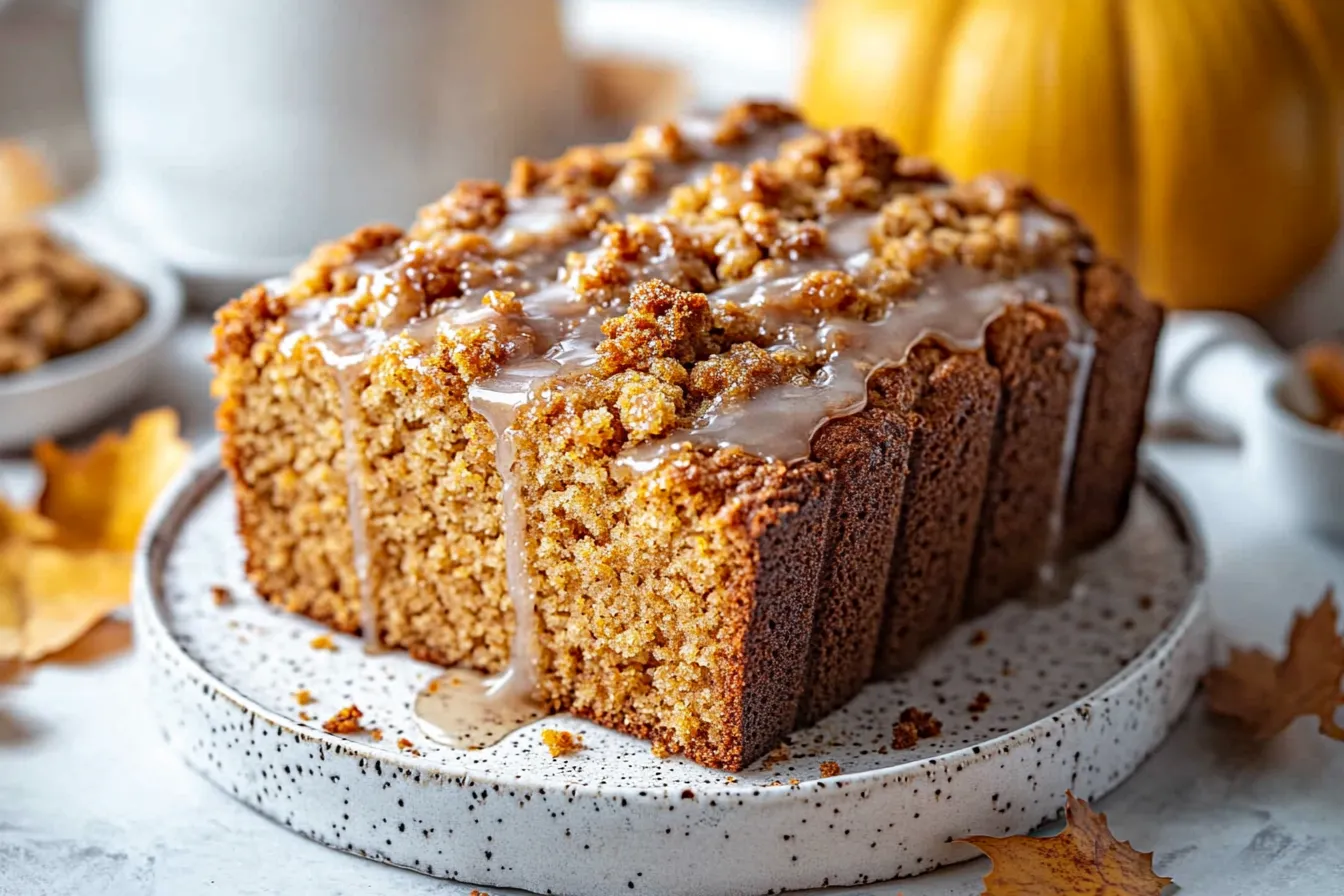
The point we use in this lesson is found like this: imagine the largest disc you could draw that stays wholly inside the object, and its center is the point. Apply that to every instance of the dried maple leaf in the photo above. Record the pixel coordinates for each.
(1267, 695)
(16, 522)
(55, 595)
(67, 564)
(11, 608)
(1083, 858)
(98, 498)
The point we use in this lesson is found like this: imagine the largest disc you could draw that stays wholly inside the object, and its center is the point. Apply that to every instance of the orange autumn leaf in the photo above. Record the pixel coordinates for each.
(1084, 858)
(11, 608)
(98, 498)
(1266, 695)
(66, 564)
(27, 524)
(55, 595)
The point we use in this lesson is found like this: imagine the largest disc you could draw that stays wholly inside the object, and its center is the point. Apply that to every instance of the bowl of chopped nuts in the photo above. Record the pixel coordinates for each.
(83, 315)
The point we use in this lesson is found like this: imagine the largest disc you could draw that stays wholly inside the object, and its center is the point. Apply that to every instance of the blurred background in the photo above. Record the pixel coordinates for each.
(1201, 141)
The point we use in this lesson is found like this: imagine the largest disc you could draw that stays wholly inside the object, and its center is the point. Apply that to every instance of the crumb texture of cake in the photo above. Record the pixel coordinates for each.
(690, 435)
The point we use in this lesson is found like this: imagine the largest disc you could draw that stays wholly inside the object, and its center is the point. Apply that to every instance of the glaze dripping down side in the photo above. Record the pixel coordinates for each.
(530, 285)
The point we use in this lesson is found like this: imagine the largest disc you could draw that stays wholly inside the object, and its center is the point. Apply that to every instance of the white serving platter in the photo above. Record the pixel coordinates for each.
(1080, 692)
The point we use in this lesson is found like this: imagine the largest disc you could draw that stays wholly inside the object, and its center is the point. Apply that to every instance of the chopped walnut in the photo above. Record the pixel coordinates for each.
(54, 302)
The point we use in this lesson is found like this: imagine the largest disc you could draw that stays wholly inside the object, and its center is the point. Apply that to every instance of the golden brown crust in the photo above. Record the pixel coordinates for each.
(952, 403)
(868, 456)
(1126, 327)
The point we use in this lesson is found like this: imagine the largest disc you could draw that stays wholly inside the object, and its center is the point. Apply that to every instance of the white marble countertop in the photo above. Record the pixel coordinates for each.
(92, 801)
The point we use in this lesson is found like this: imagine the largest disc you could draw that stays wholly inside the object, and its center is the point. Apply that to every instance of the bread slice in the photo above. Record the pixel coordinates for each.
(692, 434)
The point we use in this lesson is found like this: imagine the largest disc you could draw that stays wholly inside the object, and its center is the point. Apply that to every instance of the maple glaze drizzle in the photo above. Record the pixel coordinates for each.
(956, 305)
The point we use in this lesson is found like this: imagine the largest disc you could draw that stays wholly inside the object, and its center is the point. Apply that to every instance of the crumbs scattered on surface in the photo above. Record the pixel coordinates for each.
(903, 735)
(304, 716)
(914, 724)
(432, 687)
(221, 595)
(830, 769)
(376, 734)
(322, 642)
(346, 721)
(980, 703)
(478, 893)
(778, 754)
(794, 782)
(730, 779)
(407, 746)
(980, 637)
(561, 743)
(304, 697)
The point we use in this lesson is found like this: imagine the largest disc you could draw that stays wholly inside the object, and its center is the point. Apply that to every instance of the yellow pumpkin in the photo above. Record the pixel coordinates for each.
(1196, 138)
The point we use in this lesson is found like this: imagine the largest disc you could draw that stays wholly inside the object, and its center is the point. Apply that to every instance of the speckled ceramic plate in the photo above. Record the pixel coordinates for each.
(1079, 693)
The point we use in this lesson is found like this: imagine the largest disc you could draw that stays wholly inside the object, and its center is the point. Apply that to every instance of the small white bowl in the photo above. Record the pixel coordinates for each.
(79, 389)
(1222, 373)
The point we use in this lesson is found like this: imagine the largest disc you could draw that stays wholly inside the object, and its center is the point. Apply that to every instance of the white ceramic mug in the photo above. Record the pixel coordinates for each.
(237, 134)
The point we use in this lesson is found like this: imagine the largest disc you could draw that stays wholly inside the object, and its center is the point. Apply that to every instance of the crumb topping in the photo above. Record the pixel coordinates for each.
(752, 196)
(830, 769)
(670, 282)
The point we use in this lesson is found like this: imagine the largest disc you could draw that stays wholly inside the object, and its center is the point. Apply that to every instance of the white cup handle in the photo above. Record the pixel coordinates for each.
(1213, 370)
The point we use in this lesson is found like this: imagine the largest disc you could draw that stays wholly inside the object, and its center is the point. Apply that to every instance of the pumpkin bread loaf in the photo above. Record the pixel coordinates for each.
(695, 433)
